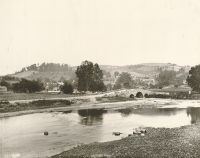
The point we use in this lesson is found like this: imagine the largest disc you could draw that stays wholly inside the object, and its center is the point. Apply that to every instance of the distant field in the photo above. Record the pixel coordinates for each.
(27, 96)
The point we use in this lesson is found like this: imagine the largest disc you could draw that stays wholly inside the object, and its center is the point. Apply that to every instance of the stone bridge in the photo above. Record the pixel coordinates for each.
(139, 93)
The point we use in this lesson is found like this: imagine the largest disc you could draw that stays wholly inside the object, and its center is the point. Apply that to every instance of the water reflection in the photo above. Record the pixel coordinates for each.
(67, 112)
(91, 116)
(194, 113)
(150, 111)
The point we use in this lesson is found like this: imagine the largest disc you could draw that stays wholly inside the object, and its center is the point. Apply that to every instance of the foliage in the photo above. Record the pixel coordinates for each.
(193, 78)
(9, 78)
(67, 88)
(109, 86)
(116, 73)
(124, 80)
(106, 74)
(166, 78)
(6, 84)
(117, 86)
(46, 67)
(90, 77)
(28, 86)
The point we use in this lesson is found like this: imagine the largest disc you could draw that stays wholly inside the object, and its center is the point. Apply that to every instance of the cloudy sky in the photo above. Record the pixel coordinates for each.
(117, 32)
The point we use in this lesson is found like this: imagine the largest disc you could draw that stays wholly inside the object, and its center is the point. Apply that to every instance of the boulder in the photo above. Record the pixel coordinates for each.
(46, 133)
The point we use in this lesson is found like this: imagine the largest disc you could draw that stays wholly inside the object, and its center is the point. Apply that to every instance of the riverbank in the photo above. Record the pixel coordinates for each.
(8, 109)
(157, 142)
(33, 96)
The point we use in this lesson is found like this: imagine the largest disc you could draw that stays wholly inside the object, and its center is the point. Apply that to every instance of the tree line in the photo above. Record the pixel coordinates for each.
(89, 77)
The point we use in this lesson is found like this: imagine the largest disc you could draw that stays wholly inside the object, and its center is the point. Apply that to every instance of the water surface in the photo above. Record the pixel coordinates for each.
(22, 136)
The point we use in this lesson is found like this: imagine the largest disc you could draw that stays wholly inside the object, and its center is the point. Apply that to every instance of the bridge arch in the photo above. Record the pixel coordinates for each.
(132, 96)
(139, 95)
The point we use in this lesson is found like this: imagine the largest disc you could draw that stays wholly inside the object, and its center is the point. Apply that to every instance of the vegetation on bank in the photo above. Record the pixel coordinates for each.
(67, 88)
(193, 78)
(5, 106)
(32, 96)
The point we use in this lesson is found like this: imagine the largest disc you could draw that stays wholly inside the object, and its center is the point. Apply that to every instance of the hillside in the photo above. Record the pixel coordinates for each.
(145, 69)
(47, 72)
(59, 72)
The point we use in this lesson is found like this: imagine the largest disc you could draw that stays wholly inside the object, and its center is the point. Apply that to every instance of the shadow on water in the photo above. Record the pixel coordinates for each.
(150, 111)
(91, 116)
(194, 113)
(67, 112)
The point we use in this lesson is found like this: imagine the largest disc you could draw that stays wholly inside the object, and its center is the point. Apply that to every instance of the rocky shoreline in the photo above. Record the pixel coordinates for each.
(157, 142)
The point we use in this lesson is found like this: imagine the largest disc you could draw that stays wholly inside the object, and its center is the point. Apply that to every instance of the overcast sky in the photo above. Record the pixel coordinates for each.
(113, 32)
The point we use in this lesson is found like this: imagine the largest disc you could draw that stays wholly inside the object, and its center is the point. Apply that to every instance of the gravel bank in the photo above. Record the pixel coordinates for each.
(158, 142)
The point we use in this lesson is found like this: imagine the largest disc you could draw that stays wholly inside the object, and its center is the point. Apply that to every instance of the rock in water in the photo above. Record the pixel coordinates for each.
(46, 133)
(116, 133)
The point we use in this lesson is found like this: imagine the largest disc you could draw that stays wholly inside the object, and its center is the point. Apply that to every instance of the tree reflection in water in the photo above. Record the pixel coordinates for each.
(194, 113)
(149, 111)
(67, 112)
(91, 116)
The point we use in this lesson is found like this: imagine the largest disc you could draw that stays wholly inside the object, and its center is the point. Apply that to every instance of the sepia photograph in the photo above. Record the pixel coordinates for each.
(99, 79)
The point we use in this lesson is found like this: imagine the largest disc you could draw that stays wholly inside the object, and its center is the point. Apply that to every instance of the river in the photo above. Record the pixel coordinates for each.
(23, 136)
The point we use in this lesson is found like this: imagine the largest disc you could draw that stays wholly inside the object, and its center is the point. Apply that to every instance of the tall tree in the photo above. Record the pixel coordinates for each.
(90, 77)
(193, 78)
(124, 80)
(166, 78)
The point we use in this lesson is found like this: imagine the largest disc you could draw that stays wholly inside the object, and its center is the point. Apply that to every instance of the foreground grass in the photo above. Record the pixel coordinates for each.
(158, 142)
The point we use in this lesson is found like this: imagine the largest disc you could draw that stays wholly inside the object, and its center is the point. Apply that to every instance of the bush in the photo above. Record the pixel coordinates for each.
(67, 88)
(27, 86)
(6, 84)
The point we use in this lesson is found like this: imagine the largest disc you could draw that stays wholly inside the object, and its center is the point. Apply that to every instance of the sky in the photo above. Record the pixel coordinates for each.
(110, 32)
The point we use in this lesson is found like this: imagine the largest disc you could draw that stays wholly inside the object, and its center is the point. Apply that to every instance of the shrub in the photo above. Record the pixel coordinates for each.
(67, 88)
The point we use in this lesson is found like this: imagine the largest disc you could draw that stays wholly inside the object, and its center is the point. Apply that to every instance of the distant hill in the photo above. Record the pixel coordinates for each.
(145, 69)
(60, 72)
(47, 72)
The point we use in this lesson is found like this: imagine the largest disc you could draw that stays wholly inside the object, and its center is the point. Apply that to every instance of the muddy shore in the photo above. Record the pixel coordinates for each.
(157, 142)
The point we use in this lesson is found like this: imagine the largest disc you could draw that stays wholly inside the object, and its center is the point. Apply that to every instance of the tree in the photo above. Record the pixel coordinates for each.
(124, 80)
(67, 88)
(116, 73)
(90, 77)
(6, 84)
(27, 86)
(109, 86)
(117, 86)
(193, 78)
(166, 78)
